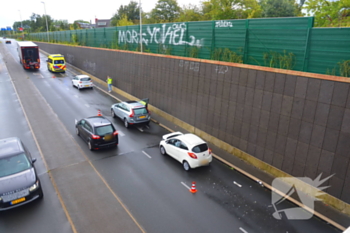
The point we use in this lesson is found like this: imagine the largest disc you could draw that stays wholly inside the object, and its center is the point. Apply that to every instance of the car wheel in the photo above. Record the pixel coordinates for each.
(90, 146)
(72, 84)
(162, 150)
(126, 123)
(186, 166)
(113, 113)
(77, 131)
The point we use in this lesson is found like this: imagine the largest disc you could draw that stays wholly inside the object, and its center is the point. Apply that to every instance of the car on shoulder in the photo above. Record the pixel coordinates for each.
(82, 81)
(19, 182)
(189, 149)
(98, 132)
(132, 112)
(8, 42)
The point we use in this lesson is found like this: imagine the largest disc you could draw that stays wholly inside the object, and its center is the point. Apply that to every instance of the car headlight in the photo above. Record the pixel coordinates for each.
(0, 199)
(34, 186)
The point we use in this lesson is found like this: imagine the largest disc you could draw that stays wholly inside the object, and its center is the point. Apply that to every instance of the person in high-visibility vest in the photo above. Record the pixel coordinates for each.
(109, 82)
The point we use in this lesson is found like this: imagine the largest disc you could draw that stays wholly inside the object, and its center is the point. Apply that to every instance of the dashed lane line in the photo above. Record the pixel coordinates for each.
(244, 231)
(185, 185)
(146, 154)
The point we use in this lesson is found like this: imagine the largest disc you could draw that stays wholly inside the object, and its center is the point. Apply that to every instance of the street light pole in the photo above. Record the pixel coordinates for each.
(47, 27)
(140, 26)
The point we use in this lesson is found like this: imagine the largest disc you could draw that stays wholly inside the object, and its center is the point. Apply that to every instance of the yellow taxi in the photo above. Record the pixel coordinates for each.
(56, 63)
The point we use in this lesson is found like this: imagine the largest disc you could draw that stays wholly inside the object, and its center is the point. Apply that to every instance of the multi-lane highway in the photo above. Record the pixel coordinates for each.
(132, 188)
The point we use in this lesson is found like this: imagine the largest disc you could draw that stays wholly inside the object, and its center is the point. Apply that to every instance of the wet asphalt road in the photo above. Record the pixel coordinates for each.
(153, 187)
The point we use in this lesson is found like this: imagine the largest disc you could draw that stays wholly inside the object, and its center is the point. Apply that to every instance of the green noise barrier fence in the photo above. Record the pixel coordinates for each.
(287, 43)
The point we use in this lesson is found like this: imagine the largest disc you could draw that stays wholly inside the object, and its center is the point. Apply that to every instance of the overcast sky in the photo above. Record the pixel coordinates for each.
(14, 10)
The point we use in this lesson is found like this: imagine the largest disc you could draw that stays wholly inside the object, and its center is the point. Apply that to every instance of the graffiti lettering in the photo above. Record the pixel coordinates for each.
(89, 66)
(173, 35)
(221, 69)
(191, 65)
(70, 58)
(223, 24)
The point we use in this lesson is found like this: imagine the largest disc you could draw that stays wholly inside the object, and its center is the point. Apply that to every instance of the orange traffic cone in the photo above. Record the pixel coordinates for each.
(193, 188)
(99, 113)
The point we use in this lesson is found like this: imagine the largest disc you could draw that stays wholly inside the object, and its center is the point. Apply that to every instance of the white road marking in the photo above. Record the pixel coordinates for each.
(237, 184)
(88, 106)
(76, 96)
(185, 185)
(140, 129)
(75, 120)
(147, 154)
(243, 230)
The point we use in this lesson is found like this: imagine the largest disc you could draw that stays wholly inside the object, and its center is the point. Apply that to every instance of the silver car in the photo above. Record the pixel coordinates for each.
(132, 112)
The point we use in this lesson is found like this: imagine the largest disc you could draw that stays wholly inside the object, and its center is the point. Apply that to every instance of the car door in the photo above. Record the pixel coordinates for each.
(181, 151)
(74, 81)
(124, 113)
(87, 131)
(118, 110)
(176, 150)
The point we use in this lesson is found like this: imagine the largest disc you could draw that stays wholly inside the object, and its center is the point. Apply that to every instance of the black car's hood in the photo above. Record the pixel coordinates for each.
(17, 181)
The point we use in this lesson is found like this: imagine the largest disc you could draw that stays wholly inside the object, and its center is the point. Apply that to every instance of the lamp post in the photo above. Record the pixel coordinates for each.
(140, 26)
(47, 27)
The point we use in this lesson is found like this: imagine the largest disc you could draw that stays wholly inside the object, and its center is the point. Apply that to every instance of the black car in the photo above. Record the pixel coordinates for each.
(98, 132)
(19, 182)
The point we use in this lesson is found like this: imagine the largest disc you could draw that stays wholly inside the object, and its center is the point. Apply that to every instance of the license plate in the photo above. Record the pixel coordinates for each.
(87, 85)
(15, 196)
(142, 117)
(108, 137)
(18, 201)
(204, 162)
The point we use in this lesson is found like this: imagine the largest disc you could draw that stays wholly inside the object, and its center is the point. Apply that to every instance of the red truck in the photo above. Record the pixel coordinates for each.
(28, 53)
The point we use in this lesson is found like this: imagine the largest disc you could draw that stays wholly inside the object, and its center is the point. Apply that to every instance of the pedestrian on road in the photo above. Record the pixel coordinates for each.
(109, 82)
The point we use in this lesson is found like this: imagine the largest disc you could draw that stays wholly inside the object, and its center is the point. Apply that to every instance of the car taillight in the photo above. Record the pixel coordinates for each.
(115, 133)
(80, 82)
(209, 151)
(95, 136)
(132, 113)
(192, 155)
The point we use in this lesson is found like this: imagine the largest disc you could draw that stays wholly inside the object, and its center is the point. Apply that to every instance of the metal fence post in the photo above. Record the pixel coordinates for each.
(306, 51)
(245, 51)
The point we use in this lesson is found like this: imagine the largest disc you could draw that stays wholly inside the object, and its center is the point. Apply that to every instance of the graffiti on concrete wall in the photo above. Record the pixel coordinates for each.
(89, 66)
(221, 69)
(174, 34)
(190, 65)
(70, 58)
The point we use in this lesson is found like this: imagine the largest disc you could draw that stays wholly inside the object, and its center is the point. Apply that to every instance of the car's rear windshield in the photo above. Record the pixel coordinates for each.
(103, 130)
(14, 164)
(140, 111)
(200, 148)
(85, 79)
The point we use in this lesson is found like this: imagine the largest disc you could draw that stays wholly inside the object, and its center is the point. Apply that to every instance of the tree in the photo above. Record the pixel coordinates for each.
(278, 8)
(329, 13)
(230, 9)
(190, 13)
(166, 11)
(131, 11)
(124, 22)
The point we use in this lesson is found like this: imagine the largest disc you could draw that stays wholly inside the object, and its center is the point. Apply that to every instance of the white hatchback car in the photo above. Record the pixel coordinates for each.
(82, 81)
(189, 149)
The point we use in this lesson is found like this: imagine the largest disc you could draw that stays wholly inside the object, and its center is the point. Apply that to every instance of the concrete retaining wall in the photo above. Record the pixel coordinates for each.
(296, 122)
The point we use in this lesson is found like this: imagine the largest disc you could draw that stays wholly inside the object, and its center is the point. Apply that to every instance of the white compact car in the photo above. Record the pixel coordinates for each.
(189, 149)
(82, 81)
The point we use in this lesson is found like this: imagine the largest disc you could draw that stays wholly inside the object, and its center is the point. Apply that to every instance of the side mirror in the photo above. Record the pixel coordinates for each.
(33, 160)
